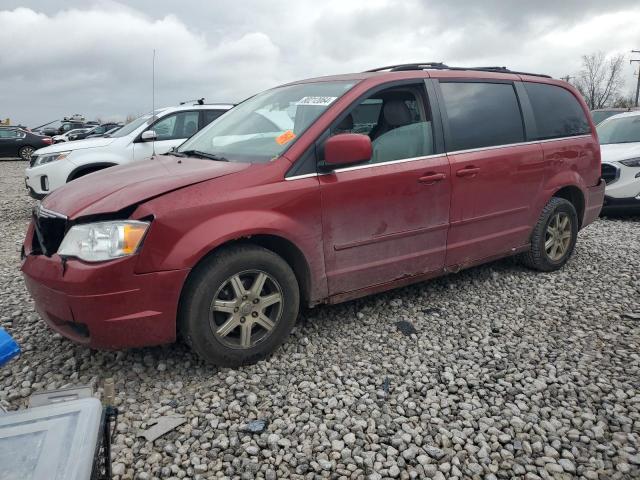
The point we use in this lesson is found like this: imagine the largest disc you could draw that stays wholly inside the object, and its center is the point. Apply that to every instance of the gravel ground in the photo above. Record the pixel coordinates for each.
(509, 374)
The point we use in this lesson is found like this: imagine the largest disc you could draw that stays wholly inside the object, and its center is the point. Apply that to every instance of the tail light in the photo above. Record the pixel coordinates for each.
(47, 140)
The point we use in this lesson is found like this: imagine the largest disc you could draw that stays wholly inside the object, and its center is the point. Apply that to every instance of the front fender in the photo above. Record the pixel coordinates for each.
(89, 156)
(181, 238)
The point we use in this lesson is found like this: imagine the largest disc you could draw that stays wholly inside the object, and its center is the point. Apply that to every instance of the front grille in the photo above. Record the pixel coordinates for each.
(32, 160)
(610, 173)
(50, 228)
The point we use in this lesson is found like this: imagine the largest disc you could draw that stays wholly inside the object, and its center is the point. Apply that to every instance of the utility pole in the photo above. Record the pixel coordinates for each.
(567, 78)
(638, 82)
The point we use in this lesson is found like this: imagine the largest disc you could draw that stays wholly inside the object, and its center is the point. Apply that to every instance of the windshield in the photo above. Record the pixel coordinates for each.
(133, 125)
(620, 130)
(264, 126)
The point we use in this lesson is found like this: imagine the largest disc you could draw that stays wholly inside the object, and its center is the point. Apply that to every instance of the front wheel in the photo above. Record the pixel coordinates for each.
(26, 152)
(239, 305)
(554, 237)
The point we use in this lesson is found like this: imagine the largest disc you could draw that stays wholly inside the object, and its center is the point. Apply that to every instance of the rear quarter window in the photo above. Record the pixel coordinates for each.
(557, 111)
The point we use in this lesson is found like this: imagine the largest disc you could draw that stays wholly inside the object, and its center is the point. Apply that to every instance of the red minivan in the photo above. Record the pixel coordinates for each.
(317, 191)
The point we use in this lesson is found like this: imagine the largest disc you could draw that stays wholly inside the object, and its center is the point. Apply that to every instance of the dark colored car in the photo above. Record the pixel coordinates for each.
(601, 114)
(16, 142)
(64, 127)
(317, 191)
(107, 133)
(97, 131)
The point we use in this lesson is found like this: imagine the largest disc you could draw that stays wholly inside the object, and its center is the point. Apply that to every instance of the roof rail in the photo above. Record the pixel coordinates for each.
(408, 66)
(199, 101)
(442, 66)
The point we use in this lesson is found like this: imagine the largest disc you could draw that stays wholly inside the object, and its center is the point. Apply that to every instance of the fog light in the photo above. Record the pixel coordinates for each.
(44, 183)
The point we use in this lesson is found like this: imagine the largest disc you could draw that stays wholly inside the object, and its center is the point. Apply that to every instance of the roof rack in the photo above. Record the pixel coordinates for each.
(442, 66)
(199, 101)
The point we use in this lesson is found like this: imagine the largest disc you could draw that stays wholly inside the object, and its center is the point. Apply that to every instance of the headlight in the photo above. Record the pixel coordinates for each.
(96, 242)
(50, 157)
(631, 162)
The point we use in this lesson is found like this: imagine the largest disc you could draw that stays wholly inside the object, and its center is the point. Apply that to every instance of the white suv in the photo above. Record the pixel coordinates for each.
(620, 148)
(52, 167)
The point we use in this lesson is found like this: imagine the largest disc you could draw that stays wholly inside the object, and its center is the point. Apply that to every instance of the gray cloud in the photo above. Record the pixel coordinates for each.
(96, 58)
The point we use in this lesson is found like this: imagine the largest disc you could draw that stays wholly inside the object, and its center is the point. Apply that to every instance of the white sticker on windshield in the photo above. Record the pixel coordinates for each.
(323, 101)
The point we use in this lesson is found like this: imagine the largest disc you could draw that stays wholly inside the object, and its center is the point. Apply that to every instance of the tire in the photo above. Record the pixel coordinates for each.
(25, 152)
(549, 251)
(222, 291)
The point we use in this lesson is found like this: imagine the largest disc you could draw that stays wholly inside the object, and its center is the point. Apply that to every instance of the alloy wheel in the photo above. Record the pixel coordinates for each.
(558, 236)
(246, 309)
(25, 153)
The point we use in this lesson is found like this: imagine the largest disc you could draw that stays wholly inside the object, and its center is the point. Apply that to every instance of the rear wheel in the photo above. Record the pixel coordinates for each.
(26, 152)
(554, 236)
(239, 305)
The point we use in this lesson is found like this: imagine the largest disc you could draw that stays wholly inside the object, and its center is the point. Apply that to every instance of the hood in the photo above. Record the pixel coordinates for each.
(119, 187)
(76, 145)
(614, 152)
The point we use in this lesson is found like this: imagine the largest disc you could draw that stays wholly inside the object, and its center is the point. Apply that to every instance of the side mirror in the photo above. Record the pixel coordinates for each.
(346, 149)
(148, 135)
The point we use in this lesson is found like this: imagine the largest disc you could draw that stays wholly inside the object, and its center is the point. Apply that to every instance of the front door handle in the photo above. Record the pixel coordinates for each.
(468, 172)
(431, 178)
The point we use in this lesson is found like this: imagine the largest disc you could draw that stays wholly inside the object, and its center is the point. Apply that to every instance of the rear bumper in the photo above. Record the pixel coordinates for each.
(593, 203)
(105, 305)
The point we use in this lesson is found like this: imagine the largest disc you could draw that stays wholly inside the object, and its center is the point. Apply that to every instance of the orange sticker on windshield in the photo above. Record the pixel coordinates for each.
(286, 137)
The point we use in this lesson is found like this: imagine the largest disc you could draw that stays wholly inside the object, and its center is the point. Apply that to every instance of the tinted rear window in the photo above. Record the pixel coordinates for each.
(557, 112)
(482, 114)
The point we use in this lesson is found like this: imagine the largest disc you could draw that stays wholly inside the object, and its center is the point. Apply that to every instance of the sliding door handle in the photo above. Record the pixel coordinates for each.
(468, 172)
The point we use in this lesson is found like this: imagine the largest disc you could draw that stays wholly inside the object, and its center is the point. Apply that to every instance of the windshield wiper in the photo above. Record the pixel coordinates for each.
(175, 153)
(201, 154)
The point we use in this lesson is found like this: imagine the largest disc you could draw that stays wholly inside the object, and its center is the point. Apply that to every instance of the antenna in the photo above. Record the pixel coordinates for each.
(153, 100)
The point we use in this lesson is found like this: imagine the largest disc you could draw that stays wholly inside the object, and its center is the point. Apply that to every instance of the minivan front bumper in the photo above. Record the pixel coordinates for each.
(104, 305)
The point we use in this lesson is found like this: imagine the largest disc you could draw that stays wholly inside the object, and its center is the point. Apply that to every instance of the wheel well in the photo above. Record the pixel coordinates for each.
(285, 249)
(87, 169)
(574, 195)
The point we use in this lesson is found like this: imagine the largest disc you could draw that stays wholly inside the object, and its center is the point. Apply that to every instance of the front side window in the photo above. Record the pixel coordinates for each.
(176, 126)
(396, 120)
(264, 126)
(481, 114)
(625, 129)
(557, 112)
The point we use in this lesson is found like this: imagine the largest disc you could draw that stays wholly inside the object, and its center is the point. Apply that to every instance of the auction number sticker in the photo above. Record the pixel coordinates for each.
(286, 137)
(321, 101)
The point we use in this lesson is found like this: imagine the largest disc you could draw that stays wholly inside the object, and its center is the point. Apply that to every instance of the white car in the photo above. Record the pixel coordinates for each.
(51, 167)
(620, 148)
(65, 136)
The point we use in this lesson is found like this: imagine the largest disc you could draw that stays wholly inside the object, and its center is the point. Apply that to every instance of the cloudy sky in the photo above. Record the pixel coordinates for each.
(94, 57)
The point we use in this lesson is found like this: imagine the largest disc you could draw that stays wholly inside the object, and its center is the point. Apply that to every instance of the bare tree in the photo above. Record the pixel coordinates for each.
(623, 102)
(600, 79)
